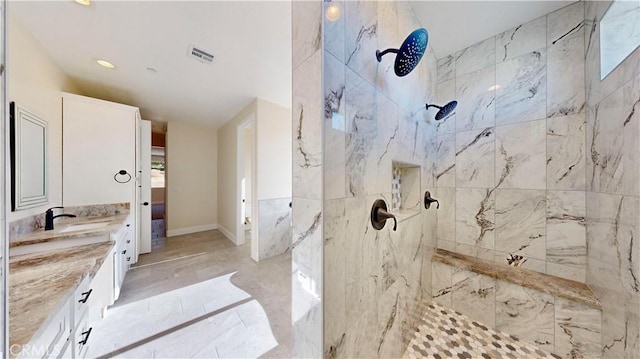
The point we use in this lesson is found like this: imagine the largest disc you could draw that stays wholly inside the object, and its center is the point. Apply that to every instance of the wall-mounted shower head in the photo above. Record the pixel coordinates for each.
(410, 52)
(445, 110)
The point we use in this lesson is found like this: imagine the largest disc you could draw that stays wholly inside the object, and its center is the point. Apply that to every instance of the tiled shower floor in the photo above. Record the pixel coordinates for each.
(444, 333)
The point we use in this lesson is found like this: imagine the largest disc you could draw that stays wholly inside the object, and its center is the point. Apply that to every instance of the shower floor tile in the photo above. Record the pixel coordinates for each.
(444, 333)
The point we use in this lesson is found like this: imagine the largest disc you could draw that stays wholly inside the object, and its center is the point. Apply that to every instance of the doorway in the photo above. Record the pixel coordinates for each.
(158, 180)
(247, 215)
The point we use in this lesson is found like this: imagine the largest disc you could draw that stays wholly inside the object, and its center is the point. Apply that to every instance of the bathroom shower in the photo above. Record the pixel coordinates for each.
(410, 52)
(445, 110)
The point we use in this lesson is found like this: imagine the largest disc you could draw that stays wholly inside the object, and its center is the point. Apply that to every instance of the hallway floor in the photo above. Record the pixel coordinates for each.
(199, 295)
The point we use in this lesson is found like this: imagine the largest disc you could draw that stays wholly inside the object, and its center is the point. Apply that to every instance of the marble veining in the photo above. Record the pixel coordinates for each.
(525, 313)
(307, 123)
(42, 236)
(475, 158)
(553, 286)
(566, 231)
(274, 227)
(446, 161)
(361, 38)
(40, 283)
(523, 88)
(566, 64)
(476, 57)
(446, 68)
(566, 157)
(520, 222)
(475, 93)
(521, 155)
(475, 217)
(24, 226)
(521, 39)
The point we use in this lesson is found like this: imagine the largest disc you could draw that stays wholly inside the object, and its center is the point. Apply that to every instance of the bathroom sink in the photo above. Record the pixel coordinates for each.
(84, 226)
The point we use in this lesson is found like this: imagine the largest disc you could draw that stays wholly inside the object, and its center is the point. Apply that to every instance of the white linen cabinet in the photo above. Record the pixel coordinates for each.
(99, 155)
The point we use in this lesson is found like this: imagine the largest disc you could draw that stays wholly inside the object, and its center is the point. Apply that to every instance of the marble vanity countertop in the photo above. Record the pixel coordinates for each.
(40, 283)
(42, 236)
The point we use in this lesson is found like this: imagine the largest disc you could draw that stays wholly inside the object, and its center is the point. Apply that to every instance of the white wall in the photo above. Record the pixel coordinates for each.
(247, 139)
(35, 82)
(272, 156)
(274, 151)
(191, 178)
(228, 172)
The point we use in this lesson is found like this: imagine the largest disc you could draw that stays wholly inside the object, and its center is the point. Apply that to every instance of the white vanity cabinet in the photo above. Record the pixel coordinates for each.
(51, 341)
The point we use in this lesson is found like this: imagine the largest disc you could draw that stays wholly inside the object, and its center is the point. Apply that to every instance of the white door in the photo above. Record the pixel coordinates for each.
(144, 186)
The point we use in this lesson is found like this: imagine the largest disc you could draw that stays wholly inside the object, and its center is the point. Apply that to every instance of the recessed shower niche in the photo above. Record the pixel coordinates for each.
(405, 190)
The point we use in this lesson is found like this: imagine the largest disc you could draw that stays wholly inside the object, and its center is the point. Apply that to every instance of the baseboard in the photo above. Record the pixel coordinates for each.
(227, 234)
(189, 230)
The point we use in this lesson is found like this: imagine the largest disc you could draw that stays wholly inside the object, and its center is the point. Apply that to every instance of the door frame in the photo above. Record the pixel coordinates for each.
(248, 122)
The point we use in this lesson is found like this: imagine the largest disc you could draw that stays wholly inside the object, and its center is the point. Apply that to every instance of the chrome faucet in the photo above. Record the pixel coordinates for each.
(49, 217)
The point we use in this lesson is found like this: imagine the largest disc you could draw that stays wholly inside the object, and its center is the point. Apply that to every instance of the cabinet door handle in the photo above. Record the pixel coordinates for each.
(128, 241)
(128, 225)
(86, 336)
(128, 259)
(124, 252)
(85, 296)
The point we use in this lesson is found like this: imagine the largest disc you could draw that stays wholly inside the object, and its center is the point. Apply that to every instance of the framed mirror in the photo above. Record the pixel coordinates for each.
(28, 158)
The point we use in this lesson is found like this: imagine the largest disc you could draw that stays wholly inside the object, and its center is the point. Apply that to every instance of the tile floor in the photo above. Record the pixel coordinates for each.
(444, 333)
(199, 295)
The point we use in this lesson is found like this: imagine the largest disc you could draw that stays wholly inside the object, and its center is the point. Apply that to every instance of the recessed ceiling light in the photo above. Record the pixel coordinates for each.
(106, 64)
(83, 2)
(333, 12)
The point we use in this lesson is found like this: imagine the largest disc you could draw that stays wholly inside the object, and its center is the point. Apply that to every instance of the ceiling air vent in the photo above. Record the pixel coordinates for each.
(200, 55)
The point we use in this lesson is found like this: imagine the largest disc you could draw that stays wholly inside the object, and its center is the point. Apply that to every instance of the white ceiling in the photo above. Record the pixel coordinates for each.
(454, 25)
(251, 42)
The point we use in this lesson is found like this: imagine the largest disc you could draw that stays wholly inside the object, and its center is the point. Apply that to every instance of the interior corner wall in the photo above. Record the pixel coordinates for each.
(273, 162)
(191, 178)
(613, 191)
(273, 179)
(228, 171)
(35, 82)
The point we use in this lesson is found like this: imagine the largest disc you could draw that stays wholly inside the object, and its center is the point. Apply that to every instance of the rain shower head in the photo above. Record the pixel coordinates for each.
(445, 110)
(410, 52)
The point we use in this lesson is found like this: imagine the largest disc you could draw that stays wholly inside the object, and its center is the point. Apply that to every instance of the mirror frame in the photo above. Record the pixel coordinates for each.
(18, 118)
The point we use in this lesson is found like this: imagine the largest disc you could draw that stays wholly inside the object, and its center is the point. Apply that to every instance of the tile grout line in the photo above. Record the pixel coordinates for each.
(175, 328)
(169, 260)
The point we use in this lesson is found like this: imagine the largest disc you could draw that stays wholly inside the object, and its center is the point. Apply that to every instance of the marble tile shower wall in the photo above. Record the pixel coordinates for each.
(613, 191)
(376, 283)
(511, 161)
(306, 248)
(274, 227)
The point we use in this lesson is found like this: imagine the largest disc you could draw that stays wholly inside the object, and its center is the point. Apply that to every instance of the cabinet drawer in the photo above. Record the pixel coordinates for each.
(81, 299)
(82, 337)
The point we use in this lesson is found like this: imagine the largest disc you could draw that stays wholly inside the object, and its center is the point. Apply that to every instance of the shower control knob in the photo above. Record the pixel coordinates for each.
(428, 200)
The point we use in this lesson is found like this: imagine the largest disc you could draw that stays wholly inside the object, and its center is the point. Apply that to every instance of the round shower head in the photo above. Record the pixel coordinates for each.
(445, 110)
(410, 52)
